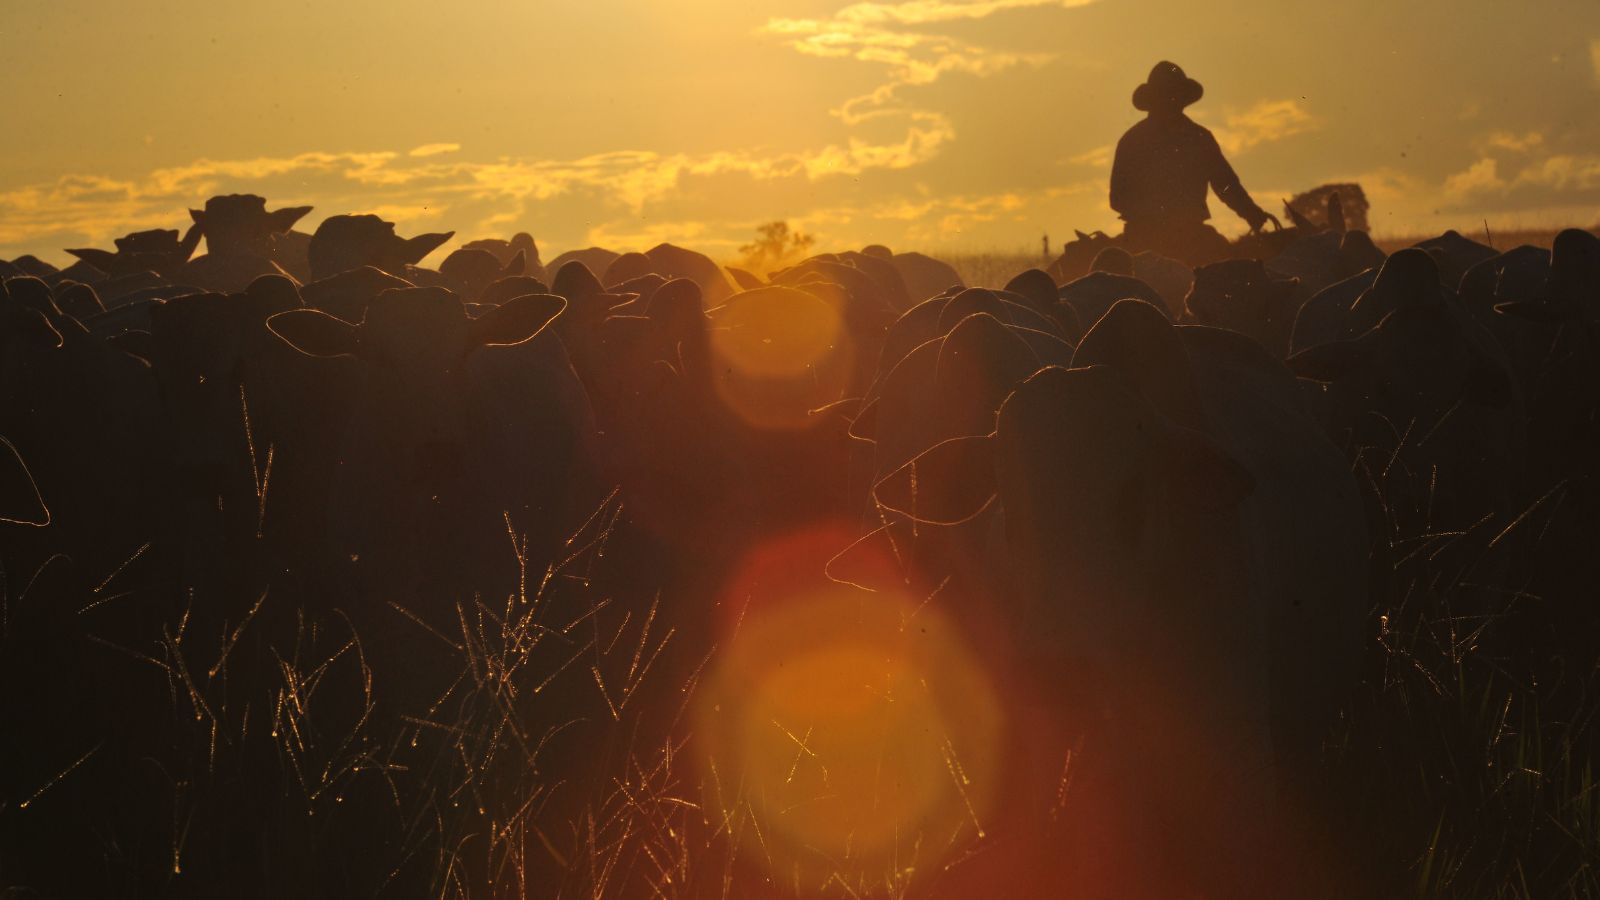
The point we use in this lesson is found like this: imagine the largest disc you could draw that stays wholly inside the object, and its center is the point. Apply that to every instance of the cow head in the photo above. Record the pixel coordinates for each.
(239, 224)
(1572, 292)
(78, 300)
(347, 242)
(1242, 296)
(677, 262)
(31, 292)
(1136, 340)
(505, 251)
(160, 251)
(413, 348)
(421, 327)
(198, 345)
(347, 294)
(1095, 293)
(1097, 487)
(470, 270)
(1038, 290)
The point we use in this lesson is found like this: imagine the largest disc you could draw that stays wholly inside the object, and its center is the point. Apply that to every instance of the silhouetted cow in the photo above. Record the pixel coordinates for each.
(347, 242)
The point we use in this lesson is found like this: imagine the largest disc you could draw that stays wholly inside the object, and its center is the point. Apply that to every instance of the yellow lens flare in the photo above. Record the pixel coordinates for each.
(856, 735)
(779, 353)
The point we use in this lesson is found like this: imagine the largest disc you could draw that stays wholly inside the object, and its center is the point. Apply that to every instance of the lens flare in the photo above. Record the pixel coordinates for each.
(856, 733)
(779, 353)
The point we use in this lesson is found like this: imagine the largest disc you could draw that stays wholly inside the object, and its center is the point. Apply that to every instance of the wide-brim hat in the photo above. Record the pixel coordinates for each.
(1166, 86)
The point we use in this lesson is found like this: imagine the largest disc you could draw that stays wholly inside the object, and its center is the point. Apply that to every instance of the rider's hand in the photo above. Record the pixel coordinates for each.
(1261, 223)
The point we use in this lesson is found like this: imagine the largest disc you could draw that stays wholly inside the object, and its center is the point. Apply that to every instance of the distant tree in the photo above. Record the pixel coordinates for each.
(774, 244)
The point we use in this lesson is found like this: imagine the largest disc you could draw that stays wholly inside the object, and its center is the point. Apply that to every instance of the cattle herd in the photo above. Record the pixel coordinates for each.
(329, 574)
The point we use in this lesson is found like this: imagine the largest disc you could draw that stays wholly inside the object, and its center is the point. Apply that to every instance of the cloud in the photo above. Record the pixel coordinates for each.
(1263, 123)
(1594, 58)
(1098, 158)
(1515, 143)
(96, 207)
(434, 149)
(889, 35)
(1561, 172)
(923, 12)
(625, 197)
(1555, 188)
(414, 186)
(1480, 177)
(935, 220)
(615, 191)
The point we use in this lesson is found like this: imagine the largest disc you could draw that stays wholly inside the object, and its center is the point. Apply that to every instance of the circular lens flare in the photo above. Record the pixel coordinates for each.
(779, 353)
(855, 733)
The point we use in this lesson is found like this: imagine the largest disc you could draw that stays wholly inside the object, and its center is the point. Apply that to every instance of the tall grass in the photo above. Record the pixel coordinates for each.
(258, 751)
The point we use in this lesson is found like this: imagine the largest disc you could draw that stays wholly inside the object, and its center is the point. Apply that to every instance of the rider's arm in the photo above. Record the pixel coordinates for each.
(1226, 183)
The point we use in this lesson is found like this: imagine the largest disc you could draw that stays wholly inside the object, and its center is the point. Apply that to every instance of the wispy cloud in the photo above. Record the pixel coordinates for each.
(893, 36)
(1514, 143)
(417, 185)
(1263, 123)
(1594, 58)
(434, 149)
(1098, 158)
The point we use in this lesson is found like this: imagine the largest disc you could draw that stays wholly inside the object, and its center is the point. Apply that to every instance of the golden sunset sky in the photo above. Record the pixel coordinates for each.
(924, 124)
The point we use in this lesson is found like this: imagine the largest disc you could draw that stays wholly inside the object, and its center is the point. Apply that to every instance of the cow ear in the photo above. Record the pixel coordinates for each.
(1201, 474)
(103, 260)
(745, 280)
(423, 244)
(134, 342)
(515, 320)
(864, 427)
(20, 503)
(315, 333)
(517, 266)
(948, 484)
(1296, 219)
(1532, 311)
(1487, 383)
(198, 216)
(191, 240)
(285, 219)
(36, 324)
(1329, 362)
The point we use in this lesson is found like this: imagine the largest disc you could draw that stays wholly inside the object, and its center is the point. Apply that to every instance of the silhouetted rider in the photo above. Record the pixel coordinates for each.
(1162, 169)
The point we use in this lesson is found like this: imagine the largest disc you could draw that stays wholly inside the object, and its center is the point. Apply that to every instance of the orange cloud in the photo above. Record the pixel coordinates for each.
(1263, 123)
(887, 34)
(1515, 143)
(434, 149)
(1481, 176)
(414, 186)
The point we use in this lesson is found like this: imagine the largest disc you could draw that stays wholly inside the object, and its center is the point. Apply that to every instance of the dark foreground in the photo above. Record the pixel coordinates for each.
(326, 574)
